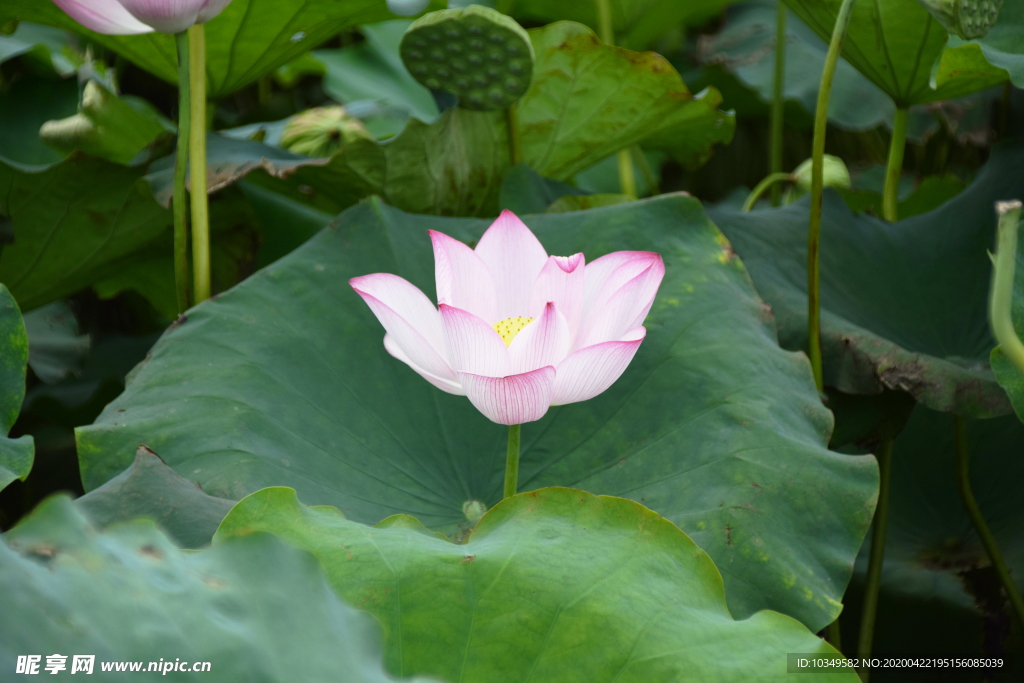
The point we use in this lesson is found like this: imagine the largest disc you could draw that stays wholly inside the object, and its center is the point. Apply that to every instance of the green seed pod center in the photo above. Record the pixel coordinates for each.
(476, 53)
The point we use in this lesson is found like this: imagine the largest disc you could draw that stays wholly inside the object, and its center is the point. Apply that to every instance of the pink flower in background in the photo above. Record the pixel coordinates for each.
(518, 331)
(127, 17)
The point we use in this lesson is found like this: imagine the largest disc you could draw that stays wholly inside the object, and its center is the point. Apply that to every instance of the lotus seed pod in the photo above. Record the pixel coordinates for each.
(322, 131)
(966, 18)
(474, 510)
(476, 53)
(407, 8)
(835, 174)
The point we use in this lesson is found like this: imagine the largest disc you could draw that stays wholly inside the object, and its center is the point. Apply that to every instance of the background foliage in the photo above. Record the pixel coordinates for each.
(717, 497)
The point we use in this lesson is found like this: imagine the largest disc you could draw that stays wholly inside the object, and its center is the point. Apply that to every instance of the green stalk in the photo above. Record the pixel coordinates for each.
(627, 178)
(771, 181)
(963, 481)
(778, 99)
(197, 161)
(1002, 283)
(512, 461)
(817, 188)
(515, 151)
(180, 201)
(890, 196)
(874, 578)
(645, 169)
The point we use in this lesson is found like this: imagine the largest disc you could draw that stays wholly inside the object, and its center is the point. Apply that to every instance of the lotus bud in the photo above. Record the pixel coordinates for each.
(968, 19)
(834, 175)
(322, 131)
(474, 510)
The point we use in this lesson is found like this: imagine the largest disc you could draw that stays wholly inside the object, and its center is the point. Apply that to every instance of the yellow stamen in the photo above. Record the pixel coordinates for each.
(510, 327)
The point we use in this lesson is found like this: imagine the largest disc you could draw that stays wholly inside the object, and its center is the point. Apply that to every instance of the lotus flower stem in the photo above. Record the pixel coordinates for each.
(817, 188)
(897, 145)
(1002, 283)
(197, 160)
(512, 461)
(771, 181)
(963, 481)
(180, 170)
(515, 151)
(778, 98)
(606, 30)
(874, 577)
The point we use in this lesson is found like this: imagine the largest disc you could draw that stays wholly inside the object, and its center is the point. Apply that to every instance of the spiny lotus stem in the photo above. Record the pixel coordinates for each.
(322, 131)
(968, 19)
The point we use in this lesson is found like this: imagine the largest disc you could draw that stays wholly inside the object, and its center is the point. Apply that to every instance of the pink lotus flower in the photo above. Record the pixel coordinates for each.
(518, 331)
(129, 17)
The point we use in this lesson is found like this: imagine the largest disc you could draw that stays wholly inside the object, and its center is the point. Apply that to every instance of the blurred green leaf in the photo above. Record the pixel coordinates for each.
(130, 594)
(15, 454)
(589, 100)
(74, 223)
(55, 348)
(636, 23)
(106, 126)
(895, 44)
(42, 42)
(746, 47)
(526, 191)
(554, 585)
(283, 380)
(249, 39)
(372, 70)
(151, 489)
(24, 108)
(904, 305)
(939, 592)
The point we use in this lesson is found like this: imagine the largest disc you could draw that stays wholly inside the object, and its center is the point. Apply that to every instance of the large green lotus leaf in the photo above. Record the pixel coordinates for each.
(588, 100)
(15, 454)
(284, 380)
(553, 585)
(636, 23)
(250, 38)
(904, 306)
(745, 46)
(151, 489)
(1003, 47)
(74, 223)
(254, 608)
(895, 44)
